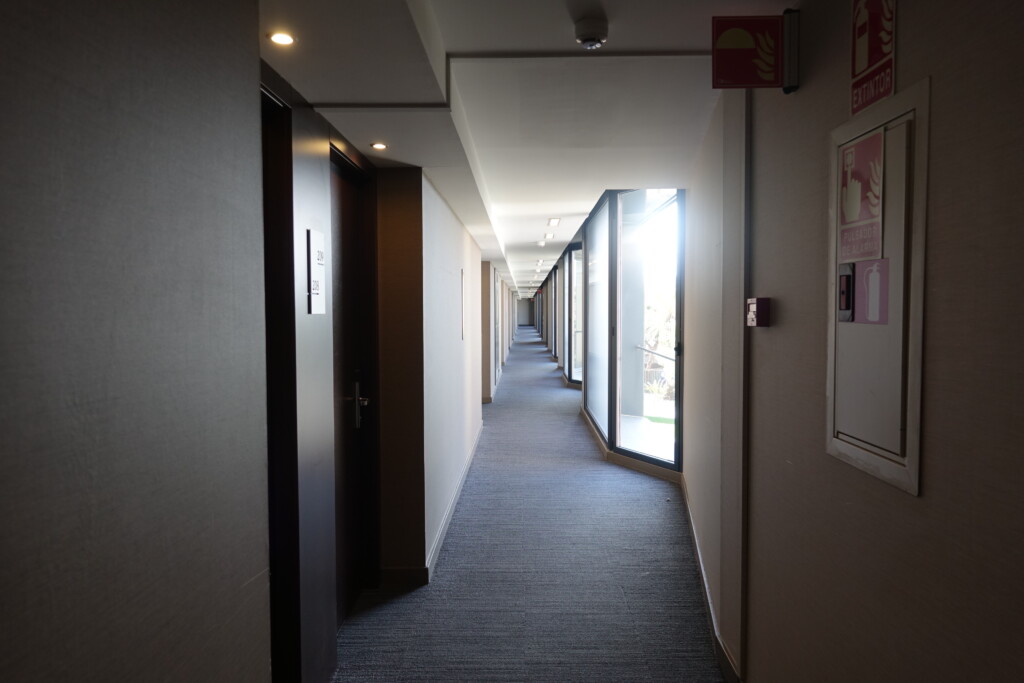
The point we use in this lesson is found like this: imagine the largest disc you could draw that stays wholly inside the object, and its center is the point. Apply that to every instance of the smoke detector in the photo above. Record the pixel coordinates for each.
(591, 33)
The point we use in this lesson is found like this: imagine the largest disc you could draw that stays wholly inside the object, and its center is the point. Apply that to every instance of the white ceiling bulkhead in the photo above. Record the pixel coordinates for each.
(510, 119)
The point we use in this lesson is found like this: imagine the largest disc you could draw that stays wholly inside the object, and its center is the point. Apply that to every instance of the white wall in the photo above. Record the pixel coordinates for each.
(713, 420)
(488, 318)
(735, 231)
(523, 312)
(509, 318)
(702, 344)
(451, 360)
(505, 328)
(499, 327)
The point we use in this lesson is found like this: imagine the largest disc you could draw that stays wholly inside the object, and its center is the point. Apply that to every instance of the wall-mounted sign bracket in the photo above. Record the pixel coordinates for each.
(756, 52)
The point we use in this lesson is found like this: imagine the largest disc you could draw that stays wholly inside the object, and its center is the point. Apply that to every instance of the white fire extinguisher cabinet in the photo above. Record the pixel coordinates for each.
(876, 263)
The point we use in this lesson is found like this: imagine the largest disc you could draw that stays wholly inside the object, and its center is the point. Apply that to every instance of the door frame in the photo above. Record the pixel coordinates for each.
(303, 438)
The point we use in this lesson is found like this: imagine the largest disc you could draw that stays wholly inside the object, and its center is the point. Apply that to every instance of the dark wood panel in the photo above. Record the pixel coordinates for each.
(314, 359)
(281, 423)
(353, 230)
(400, 309)
(301, 399)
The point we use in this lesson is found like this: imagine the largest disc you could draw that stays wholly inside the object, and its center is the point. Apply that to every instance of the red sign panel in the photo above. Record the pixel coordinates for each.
(873, 52)
(860, 198)
(746, 52)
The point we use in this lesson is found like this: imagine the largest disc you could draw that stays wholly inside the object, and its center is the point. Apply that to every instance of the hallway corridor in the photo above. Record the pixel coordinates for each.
(557, 566)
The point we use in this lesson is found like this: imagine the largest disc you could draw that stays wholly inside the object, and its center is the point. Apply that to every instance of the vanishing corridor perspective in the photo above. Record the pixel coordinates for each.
(440, 340)
(557, 565)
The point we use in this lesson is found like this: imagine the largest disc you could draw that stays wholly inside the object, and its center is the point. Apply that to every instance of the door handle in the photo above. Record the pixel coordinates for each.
(358, 403)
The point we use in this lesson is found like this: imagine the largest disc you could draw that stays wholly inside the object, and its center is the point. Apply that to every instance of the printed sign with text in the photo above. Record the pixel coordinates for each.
(316, 272)
(860, 198)
(873, 52)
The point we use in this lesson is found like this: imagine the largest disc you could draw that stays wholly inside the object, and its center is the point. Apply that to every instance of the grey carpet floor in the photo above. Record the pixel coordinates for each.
(557, 566)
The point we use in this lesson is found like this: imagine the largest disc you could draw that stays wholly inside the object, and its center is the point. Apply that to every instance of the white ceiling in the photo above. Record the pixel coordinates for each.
(551, 135)
(530, 126)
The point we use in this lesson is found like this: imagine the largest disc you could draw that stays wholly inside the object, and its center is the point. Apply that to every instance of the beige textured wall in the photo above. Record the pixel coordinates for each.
(851, 579)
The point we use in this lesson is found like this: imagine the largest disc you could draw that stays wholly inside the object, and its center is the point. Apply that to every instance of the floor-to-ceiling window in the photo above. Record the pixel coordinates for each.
(553, 318)
(632, 251)
(575, 364)
(538, 312)
(647, 269)
(596, 382)
(571, 315)
(563, 265)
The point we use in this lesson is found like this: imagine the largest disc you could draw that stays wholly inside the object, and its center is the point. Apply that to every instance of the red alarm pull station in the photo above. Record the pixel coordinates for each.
(759, 312)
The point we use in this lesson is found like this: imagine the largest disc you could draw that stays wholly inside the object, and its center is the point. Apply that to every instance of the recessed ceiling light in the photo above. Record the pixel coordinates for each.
(542, 243)
(379, 145)
(553, 222)
(549, 236)
(537, 271)
(282, 38)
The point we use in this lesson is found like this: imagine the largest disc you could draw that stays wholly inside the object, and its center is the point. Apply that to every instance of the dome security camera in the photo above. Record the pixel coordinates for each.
(591, 33)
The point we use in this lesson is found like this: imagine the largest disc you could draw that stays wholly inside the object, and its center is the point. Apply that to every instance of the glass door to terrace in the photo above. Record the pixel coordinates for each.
(648, 257)
(632, 247)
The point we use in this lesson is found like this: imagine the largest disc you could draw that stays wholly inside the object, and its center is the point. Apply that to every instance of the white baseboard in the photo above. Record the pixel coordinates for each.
(726, 660)
(435, 550)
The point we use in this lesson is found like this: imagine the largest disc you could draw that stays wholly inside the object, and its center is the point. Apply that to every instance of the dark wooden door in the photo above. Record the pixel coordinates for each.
(352, 225)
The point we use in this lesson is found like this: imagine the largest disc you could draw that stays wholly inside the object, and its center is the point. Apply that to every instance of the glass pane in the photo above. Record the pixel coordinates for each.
(576, 307)
(497, 328)
(566, 321)
(647, 323)
(553, 314)
(596, 386)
